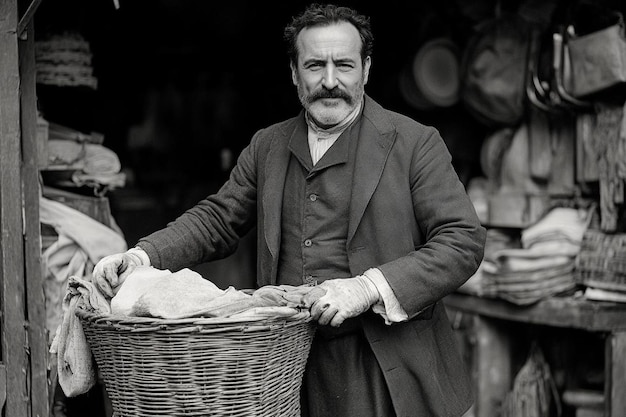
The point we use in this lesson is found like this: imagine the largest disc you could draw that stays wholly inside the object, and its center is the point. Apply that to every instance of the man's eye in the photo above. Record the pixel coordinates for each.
(314, 67)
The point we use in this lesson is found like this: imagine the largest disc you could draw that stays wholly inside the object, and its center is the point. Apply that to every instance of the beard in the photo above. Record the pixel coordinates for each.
(327, 115)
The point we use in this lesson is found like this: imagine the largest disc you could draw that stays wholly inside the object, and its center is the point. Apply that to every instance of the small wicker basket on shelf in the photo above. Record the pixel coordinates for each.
(202, 366)
(601, 262)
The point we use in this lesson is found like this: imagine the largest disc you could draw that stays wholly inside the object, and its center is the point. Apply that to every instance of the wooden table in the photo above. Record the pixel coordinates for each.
(492, 349)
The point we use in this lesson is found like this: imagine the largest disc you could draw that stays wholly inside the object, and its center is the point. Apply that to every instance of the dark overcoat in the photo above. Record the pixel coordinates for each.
(409, 216)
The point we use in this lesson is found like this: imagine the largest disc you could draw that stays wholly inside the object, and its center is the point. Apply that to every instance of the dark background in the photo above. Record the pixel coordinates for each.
(181, 80)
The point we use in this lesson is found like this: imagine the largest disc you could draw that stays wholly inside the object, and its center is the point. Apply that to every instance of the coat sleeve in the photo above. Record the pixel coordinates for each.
(452, 239)
(213, 227)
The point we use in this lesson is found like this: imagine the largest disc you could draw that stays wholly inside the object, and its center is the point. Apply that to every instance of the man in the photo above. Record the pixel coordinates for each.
(361, 201)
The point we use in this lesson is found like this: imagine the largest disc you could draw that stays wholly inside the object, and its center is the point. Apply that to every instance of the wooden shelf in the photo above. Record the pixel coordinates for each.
(494, 342)
(570, 312)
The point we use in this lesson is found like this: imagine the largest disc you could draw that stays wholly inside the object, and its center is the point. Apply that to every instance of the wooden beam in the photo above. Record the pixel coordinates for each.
(13, 334)
(615, 368)
(28, 17)
(35, 298)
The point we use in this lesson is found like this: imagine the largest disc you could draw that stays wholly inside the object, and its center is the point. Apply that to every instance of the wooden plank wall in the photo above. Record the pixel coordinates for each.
(14, 342)
(23, 344)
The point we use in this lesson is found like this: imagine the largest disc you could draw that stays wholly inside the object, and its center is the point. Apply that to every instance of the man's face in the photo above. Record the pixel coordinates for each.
(330, 75)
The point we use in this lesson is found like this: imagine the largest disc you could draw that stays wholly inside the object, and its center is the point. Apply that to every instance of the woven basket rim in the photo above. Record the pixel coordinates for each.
(190, 324)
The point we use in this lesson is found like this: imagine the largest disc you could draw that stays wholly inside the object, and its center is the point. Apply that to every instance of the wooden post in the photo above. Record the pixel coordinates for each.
(492, 366)
(35, 298)
(13, 333)
(24, 346)
(615, 366)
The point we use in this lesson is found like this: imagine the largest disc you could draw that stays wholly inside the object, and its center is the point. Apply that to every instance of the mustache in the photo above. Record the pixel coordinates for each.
(334, 93)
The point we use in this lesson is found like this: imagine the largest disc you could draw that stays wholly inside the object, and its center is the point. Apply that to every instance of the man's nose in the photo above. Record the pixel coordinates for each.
(330, 78)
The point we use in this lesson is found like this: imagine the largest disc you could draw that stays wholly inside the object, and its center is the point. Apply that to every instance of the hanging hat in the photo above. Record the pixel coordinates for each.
(432, 79)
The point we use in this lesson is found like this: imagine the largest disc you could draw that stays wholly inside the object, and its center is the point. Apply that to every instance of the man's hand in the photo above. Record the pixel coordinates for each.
(344, 298)
(111, 271)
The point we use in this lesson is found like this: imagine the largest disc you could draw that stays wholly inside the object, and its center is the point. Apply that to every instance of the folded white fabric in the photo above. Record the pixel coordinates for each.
(519, 260)
(598, 294)
(96, 239)
(563, 222)
(553, 241)
(100, 160)
(150, 292)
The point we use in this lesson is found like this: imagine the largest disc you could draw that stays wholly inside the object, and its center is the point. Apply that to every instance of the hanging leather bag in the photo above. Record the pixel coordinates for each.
(598, 60)
(494, 71)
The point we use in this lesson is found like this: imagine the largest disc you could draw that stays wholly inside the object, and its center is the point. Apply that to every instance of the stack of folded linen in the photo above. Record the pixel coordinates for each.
(76, 159)
(497, 240)
(544, 264)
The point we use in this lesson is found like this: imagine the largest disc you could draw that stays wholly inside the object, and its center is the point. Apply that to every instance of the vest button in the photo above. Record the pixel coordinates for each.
(313, 197)
(308, 243)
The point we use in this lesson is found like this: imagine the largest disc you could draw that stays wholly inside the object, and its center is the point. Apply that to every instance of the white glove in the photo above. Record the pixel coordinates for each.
(111, 271)
(344, 298)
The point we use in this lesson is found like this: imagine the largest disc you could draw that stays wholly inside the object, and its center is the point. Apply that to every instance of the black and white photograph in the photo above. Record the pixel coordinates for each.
(313, 209)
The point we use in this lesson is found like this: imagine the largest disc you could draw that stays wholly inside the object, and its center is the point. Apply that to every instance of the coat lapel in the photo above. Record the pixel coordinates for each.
(376, 138)
(275, 172)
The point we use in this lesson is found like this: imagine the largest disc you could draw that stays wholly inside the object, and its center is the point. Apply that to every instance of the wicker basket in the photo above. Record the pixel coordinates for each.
(200, 367)
(601, 262)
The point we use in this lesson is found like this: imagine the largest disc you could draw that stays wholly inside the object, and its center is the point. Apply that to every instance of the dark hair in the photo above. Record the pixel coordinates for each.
(323, 15)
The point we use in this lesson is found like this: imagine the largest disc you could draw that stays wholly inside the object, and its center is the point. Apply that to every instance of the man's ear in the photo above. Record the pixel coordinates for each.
(294, 73)
(366, 69)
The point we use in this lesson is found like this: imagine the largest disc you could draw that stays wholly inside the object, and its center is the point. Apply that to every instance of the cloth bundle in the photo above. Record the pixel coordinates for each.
(150, 292)
(534, 392)
(93, 164)
(75, 363)
(81, 243)
(543, 265)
